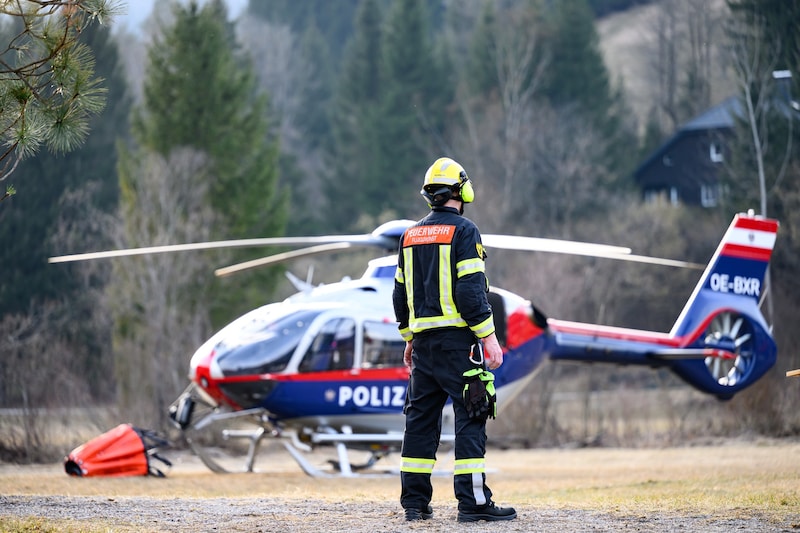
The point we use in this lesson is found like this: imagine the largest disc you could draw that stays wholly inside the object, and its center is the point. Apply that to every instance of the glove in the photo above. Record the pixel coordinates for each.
(480, 398)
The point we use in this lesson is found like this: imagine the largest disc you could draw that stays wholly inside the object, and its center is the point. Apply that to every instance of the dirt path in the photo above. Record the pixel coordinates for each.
(729, 487)
(274, 514)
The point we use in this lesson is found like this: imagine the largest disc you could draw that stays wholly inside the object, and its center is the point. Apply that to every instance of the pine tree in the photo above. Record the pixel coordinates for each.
(414, 95)
(49, 90)
(29, 221)
(315, 86)
(354, 151)
(307, 131)
(200, 93)
(56, 213)
(578, 82)
(203, 167)
(481, 68)
(333, 20)
(577, 74)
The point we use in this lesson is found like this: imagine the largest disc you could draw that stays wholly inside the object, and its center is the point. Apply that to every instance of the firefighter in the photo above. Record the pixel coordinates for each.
(440, 301)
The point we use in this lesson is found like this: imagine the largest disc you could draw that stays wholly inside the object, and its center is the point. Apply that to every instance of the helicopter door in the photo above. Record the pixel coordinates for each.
(332, 349)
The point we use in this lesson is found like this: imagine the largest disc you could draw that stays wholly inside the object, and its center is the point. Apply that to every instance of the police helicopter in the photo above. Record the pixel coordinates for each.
(325, 366)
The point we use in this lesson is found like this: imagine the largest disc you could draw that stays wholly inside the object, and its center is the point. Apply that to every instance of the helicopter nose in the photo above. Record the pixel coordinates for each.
(202, 371)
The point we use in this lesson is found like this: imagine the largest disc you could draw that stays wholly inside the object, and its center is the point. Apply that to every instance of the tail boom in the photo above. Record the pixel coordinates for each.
(725, 306)
(720, 343)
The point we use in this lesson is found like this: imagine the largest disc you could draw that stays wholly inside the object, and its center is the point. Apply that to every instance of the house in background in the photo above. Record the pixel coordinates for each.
(686, 168)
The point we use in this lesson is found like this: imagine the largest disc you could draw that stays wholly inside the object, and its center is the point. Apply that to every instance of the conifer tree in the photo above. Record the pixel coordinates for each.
(29, 221)
(306, 129)
(481, 68)
(334, 21)
(203, 167)
(200, 93)
(57, 212)
(578, 82)
(49, 90)
(355, 152)
(414, 95)
(577, 74)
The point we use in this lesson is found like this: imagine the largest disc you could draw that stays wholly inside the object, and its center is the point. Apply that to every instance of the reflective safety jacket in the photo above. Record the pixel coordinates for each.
(440, 280)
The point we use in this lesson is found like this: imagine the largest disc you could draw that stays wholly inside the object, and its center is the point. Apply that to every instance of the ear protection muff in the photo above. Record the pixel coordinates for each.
(465, 188)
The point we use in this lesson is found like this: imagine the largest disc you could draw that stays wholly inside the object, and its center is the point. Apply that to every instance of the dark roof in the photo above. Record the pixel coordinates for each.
(718, 117)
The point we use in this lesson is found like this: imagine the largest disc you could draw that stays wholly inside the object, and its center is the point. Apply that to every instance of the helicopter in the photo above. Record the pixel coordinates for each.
(324, 367)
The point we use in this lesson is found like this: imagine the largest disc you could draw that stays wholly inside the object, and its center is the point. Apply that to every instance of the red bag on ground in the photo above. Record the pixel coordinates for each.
(122, 451)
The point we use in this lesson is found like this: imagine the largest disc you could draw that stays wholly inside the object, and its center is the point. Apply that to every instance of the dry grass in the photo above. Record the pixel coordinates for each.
(753, 484)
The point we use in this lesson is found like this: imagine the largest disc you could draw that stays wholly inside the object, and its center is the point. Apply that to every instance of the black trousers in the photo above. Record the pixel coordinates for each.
(439, 360)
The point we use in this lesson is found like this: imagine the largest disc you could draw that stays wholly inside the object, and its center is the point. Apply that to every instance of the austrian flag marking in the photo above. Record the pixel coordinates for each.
(748, 241)
(751, 239)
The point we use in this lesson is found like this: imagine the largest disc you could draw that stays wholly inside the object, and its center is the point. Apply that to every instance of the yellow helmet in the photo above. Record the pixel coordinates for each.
(445, 179)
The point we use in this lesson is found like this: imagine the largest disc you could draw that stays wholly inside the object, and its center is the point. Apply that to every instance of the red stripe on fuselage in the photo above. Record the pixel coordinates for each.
(350, 375)
(613, 332)
(631, 335)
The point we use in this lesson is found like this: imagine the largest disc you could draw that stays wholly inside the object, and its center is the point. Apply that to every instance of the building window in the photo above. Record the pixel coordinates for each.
(667, 195)
(715, 153)
(709, 195)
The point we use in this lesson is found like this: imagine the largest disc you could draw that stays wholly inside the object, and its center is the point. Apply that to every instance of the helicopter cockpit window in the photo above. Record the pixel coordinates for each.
(263, 347)
(333, 348)
(383, 345)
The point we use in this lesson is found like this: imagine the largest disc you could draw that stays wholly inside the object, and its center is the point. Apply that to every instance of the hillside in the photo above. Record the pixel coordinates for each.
(627, 42)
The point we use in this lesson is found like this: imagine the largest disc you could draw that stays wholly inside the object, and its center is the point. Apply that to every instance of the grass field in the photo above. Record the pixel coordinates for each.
(732, 485)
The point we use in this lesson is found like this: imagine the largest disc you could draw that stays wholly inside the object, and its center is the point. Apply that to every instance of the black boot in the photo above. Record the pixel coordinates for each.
(490, 513)
(419, 514)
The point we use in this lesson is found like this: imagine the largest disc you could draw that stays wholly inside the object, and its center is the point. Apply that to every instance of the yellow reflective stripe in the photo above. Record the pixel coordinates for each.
(416, 465)
(476, 465)
(443, 319)
(470, 266)
(484, 329)
(446, 302)
(430, 322)
(398, 275)
(406, 334)
(408, 276)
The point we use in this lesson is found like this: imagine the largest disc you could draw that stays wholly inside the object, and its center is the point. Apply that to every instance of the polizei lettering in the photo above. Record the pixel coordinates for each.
(736, 284)
(374, 396)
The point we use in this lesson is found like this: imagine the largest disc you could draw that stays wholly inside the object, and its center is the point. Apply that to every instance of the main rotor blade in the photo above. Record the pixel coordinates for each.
(534, 244)
(657, 261)
(362, 240)
(285, 256)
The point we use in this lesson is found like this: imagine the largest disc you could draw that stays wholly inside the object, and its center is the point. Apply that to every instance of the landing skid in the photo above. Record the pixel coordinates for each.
(253, 436)
(197, 418)
(342, 468)
(297, 449)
